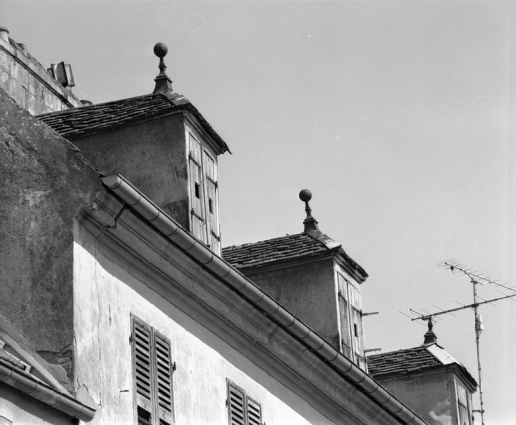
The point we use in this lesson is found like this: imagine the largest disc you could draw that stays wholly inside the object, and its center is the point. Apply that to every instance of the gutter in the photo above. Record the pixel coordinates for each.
(158, 219)
(32, 386)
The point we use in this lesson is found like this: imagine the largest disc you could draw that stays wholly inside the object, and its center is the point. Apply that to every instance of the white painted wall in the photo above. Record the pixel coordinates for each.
(105, 295)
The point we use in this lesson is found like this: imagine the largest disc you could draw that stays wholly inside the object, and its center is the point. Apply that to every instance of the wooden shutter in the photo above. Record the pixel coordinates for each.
(254, 412)
(163, 368)
(212, 202)
(152, 371)
(197, 190)
(236, 405)
(142, 368)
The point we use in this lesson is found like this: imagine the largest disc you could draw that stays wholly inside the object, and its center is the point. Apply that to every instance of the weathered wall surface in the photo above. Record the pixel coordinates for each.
(20, 408)
(152, 156)
(28, 83)
(106, 295)
(43, 185)
(427, 394)
(307, 290)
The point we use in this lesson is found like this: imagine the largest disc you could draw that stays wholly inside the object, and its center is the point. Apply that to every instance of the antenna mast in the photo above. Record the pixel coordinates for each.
(476, 279)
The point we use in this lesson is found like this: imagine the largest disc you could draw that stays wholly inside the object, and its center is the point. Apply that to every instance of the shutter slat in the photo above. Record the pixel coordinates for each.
(142, 360)
(236, 406)
(254, 412)
(163, 374)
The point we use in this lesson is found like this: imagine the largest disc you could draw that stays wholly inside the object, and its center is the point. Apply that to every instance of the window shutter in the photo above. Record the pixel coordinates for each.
(236, 406)
(212, 202)
(142, 352)
(152, 371)
(197, 190)
(254, 412)
(163, 369)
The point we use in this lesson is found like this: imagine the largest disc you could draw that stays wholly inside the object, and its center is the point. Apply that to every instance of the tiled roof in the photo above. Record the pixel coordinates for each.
(278, 249)
(77, 122)
(401, 362)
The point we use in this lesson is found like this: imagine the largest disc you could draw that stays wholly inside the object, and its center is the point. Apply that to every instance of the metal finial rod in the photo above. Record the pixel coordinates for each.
(163, 83)
(310, 223)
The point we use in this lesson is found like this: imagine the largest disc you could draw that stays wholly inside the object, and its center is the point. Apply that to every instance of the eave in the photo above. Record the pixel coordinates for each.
(130, 219)
(30, 385)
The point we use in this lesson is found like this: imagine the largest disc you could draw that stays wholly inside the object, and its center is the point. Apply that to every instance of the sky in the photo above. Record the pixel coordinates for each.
(398, 116)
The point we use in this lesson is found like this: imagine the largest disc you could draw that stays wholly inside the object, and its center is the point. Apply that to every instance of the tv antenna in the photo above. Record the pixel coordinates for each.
(476, 279)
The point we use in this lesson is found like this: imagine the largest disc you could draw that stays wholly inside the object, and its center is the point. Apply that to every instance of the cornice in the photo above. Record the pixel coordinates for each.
(139, 227)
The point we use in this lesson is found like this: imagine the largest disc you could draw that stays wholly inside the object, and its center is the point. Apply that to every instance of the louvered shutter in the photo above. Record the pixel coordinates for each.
(254, 412)
(197, 190)
(142, 368)
(212, 202)
(236, 406)
(163, 368)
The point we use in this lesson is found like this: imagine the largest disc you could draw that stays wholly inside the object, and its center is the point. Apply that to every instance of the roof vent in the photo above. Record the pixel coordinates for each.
(63, 73)
(430, 336)
(163, 83)
(310, 223)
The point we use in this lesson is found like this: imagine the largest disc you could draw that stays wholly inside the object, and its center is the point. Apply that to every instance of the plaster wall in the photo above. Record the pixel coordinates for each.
(308, 290)
(428, 394)
(152, 155)
(105, 296)
(29, 84)
(43, 185)
(19, 408)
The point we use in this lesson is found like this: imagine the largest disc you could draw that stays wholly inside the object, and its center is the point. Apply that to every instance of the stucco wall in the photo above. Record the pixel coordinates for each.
(308, 290)
(105, 296)
(28, 83)
(43, 185)
(428, 394)
(20, 408)
(151, 155)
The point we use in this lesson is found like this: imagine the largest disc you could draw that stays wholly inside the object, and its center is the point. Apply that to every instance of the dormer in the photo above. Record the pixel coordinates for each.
(162, 144)
(428, 380)
(313, 277)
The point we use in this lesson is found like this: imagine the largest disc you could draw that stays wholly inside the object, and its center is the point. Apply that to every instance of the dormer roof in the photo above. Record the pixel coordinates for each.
(87, 120)
(413, 360)
(290, 248)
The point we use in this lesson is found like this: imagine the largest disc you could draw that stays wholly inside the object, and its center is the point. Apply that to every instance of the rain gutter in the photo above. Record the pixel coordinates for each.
(246, 288)
(32, 386)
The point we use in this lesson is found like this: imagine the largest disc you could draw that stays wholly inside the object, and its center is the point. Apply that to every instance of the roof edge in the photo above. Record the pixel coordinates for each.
(37, 389)
(164, 224)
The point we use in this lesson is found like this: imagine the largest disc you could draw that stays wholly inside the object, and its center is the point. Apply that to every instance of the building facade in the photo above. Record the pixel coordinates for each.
(115, 280)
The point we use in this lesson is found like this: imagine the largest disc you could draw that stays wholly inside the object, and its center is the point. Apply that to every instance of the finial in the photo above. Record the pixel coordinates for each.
(310, 223)
(163, 83)
(430, 336)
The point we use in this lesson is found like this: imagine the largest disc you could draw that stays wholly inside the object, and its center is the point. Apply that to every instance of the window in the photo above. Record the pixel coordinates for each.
(464, 418)
(152, 372)
(242, 409)
(204, 195)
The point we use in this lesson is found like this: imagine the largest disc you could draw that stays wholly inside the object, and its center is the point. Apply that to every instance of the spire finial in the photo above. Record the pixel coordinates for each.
(310, 223)
(163, 83)
(430, 336)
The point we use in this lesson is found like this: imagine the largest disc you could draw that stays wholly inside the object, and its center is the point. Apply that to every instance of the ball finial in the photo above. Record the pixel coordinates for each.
(305, 195)
(160, 50)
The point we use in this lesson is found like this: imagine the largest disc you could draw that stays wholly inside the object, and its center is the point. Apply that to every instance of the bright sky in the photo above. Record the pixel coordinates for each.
(398, 116)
